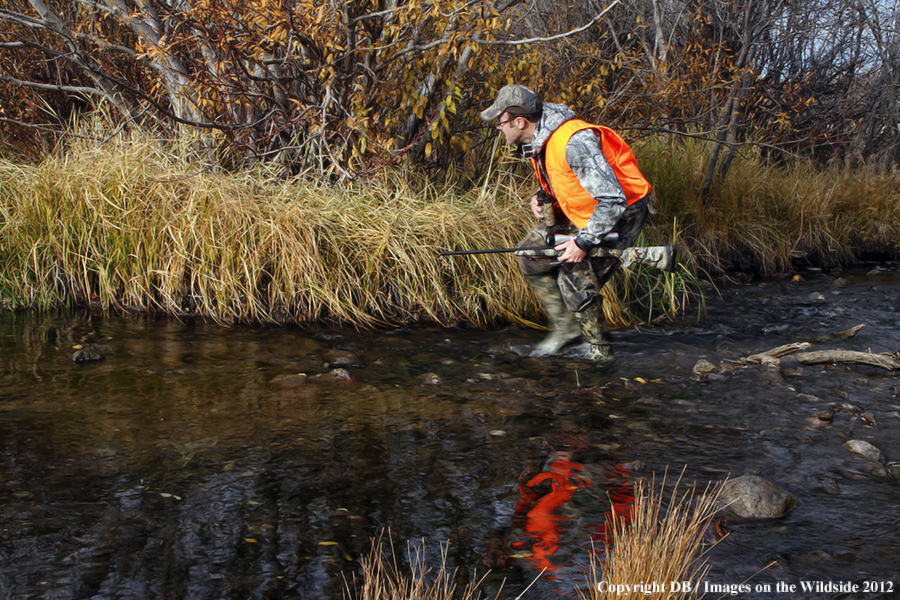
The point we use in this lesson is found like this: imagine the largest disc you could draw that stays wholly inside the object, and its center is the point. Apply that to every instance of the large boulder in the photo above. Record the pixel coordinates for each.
(753, 497)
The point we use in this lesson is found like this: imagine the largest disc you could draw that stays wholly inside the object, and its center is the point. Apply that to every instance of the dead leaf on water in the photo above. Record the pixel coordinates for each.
(250, 540)
(328, 543)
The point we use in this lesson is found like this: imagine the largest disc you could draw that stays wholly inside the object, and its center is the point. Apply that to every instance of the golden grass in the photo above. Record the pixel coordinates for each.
(129, 226)
(127, 229)
(769, 218)
(383, 579)
(653, 547)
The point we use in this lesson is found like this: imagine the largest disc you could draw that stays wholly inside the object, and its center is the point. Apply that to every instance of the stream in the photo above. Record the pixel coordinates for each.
(198, 461)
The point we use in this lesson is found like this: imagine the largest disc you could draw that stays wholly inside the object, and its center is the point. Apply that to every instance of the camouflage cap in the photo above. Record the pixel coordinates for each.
(512, 96)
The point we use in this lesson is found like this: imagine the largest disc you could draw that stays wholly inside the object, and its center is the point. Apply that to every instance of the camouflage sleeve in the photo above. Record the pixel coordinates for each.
(585, 157)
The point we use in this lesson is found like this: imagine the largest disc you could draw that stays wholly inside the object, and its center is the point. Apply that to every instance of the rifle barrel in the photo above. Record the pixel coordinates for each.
(491, 251)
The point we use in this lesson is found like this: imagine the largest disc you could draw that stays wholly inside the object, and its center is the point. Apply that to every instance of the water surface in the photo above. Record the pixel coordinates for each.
(195, 461)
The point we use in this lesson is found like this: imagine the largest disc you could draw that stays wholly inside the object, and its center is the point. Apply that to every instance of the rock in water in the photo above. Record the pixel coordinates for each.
(753, 497)
(703, 366)
(866, 450)
(87, 356)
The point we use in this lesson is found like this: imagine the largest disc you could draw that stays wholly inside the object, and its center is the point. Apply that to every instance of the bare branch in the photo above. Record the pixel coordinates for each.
(552, 38)
(46, 129)
(53, 88)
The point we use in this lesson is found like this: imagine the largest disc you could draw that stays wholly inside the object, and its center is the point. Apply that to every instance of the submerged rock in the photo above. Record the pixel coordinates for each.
(341, 357)
(336, 375)
(291, 380)
(430, 379)
(753, 497)
(87, 356)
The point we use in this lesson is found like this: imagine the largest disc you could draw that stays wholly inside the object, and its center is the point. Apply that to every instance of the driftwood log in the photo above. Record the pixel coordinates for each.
(847, 356)
(771, 356)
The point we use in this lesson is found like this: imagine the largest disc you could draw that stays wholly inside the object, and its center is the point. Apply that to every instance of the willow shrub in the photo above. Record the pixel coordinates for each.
(126, 225)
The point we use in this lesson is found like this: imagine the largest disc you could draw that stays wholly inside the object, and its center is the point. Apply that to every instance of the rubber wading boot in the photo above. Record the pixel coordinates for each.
(563, 326)
(593, 327)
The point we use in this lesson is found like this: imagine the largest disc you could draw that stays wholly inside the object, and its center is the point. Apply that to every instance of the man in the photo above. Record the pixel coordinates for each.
(599, 198)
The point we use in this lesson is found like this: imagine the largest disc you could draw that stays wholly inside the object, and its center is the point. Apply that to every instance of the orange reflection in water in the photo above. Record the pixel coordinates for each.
(547, 511)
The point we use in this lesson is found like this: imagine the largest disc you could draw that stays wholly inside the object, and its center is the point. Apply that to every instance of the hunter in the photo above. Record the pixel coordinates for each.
(589, 178)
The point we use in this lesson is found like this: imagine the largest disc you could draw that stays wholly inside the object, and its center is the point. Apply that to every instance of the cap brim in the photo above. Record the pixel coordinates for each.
(491, 113)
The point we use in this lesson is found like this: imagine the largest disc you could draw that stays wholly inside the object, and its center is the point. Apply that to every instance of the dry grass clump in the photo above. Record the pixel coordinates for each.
(129, 229)
(383, 579)
(127, 225)
(653, 547)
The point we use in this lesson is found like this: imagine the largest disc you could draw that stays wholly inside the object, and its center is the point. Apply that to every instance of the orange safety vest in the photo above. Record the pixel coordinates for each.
(562, 183)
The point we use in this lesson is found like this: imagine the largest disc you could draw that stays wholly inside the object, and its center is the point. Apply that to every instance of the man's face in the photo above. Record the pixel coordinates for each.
(513, 129)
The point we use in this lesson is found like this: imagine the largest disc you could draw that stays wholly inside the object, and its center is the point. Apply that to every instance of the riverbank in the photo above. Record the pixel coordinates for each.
(766, 219)
(129, 226)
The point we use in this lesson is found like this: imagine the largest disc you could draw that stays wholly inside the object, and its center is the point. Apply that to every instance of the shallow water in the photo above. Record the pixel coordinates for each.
(193, 462)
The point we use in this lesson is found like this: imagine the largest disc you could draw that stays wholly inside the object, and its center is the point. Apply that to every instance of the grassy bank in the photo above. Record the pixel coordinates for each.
(131, 229)
(127, 225)
(771, 219)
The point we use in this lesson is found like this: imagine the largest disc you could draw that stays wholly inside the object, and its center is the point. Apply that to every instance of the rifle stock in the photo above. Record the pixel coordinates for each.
(658, 257)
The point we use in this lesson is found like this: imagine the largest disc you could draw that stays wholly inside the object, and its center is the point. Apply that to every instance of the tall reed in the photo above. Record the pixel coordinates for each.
(652, 548)
(130, 224)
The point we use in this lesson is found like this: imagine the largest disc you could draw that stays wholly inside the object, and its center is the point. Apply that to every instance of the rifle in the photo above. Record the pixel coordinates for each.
(658, 257)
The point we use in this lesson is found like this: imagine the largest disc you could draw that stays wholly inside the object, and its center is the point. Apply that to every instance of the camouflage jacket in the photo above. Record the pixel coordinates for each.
(585, 157)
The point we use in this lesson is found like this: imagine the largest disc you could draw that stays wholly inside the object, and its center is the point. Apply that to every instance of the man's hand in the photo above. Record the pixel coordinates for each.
(570, 252)
(536, 207)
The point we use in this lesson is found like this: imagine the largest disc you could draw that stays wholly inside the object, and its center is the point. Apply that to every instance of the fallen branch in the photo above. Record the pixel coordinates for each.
(847, 356)
(769, 356)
